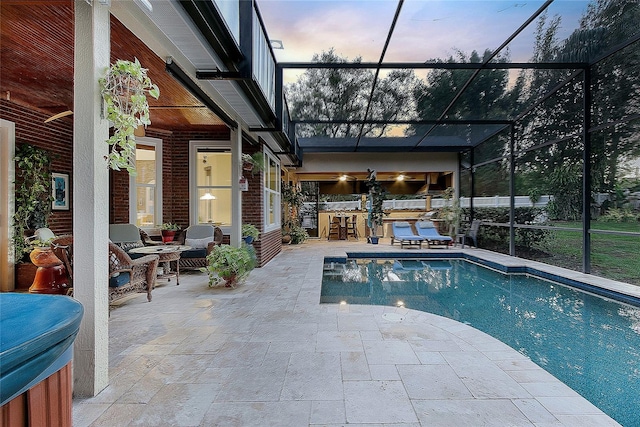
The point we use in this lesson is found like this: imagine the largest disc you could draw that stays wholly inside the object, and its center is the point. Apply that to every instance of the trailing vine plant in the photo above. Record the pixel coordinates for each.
(124, 90)
(32, 194)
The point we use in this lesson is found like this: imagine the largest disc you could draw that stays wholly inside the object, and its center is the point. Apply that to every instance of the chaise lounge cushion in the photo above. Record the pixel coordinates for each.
(428, 230)
(403, 233)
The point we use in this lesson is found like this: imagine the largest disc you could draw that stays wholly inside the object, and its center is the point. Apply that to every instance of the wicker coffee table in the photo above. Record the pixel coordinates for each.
(167, 254)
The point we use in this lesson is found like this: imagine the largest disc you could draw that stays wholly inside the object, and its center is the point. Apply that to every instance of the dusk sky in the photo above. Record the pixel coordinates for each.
(426, 28)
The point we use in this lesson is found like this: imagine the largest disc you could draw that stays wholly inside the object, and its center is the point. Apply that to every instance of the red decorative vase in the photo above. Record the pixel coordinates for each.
(168, 235)
(51, 276)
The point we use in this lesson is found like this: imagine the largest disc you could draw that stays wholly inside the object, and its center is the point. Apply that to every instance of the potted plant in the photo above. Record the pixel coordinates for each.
(50, 276)
(292, 200)
(298, 234)
(377, 195)
(168, 231)
(450, 213)
(250, 233)
(124, 90)
(228, 264)
(253, 162)
(32, 195)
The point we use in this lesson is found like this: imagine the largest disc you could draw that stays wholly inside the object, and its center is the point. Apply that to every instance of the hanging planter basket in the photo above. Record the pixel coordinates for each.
(124, 89)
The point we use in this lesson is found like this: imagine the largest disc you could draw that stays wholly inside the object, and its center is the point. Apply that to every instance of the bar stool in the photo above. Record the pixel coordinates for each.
(334, 228)
(352, 226)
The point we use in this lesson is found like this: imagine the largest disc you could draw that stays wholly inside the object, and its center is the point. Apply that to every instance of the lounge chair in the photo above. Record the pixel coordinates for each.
(428, 231)
(403, 233)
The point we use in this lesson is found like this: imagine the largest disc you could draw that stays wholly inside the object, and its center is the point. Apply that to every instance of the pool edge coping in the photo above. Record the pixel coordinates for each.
(630, 296)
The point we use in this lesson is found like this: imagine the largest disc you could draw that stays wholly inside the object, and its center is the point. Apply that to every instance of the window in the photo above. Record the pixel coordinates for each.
(145, 195)
(210, 173)
(271, 192)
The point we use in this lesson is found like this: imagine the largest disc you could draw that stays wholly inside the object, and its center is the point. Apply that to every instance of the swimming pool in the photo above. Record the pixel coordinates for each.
(589, 342)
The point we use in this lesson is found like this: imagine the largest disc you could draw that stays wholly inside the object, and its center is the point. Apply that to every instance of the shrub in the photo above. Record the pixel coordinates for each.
(620, 215)
(496, 237)
(298, 234)
(228, 264)
(250, 230)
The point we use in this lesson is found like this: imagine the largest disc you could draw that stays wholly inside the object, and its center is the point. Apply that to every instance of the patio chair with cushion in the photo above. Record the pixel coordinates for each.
(127, 237)
(403, 233)
(202, 238)
(472, 233)
(128, 275)
(428, 231)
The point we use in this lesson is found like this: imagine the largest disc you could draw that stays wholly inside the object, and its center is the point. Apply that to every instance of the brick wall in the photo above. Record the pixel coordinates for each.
(270, 246)
(118, 197)
(57, 138)
(270, 243)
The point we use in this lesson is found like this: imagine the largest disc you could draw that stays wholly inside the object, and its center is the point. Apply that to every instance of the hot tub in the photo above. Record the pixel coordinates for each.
(36, 336)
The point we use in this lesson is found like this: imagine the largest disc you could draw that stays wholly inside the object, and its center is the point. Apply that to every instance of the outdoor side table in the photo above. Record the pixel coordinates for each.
(167, 255)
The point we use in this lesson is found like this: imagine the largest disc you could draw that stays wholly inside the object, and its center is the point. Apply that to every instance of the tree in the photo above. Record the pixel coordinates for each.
(615, 89)
(343, 93)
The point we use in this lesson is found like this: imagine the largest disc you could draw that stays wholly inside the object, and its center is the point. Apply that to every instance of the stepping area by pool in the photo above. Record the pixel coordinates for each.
(268, 353)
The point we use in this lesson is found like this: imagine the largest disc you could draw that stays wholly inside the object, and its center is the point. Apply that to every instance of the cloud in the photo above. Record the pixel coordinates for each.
(426, 29)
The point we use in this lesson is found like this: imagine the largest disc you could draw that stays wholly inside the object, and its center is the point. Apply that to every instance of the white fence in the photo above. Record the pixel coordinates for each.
(420, 204)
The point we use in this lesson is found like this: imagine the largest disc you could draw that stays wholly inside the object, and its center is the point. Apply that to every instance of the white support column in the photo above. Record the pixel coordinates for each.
(7, 204)
(236, 197)
(90, 198)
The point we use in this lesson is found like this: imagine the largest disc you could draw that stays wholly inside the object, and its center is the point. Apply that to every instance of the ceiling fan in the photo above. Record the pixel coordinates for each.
(59, 116)
(157, 107)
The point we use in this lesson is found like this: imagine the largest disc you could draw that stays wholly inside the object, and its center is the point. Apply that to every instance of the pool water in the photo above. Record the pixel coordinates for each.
(590, 343)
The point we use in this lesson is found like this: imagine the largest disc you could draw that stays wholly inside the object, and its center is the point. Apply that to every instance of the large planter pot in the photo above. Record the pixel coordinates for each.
(51, 276)
(373, 240)
(25, 273)
(168, 235)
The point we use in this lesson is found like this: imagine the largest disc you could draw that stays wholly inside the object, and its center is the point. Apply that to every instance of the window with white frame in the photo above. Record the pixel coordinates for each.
(145, 188)
(271, 192)
(210, 181)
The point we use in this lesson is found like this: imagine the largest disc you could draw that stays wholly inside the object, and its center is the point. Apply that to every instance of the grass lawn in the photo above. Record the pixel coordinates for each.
(613, 257)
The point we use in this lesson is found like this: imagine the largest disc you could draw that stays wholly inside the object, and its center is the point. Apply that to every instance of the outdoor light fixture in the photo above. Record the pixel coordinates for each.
(400, 304)
(276, 44)
(343, 177)
(400, 178)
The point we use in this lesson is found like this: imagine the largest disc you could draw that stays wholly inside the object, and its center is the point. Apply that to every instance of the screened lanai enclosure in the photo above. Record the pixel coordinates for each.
(540, 99)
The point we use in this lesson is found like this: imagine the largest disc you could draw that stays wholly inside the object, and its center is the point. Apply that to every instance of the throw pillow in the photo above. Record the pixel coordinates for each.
(198, 243)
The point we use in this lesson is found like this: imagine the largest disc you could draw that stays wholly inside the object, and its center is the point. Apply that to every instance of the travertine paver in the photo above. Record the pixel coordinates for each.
(269, 354)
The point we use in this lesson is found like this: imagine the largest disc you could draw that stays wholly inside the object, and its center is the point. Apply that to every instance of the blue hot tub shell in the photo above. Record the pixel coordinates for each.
(36, 336)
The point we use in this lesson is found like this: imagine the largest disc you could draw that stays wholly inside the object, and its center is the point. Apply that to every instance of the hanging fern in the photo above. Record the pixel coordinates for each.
(124, 90)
